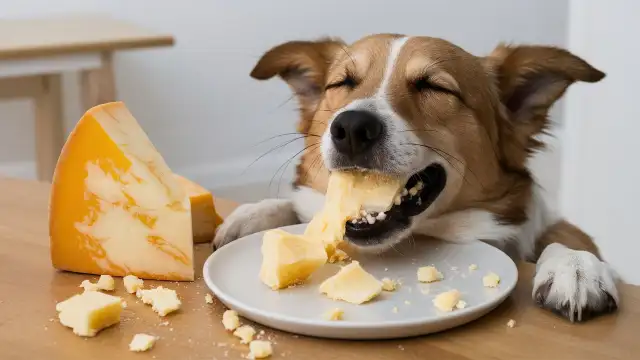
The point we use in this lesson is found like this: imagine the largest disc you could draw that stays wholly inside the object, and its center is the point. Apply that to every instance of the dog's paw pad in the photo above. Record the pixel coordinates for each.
(575, 285)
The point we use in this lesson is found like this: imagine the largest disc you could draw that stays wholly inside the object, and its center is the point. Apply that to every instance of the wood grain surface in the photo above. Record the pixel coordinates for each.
(60, 35)
(30, 288)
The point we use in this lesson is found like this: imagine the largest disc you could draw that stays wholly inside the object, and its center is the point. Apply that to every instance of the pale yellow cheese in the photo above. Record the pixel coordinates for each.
(491, 280)
(260, 349)
(347, 194)
(204, 217)
(352, 284)
(208, 299)
(334, 314)
(105, 282)
(142, 342)
(289, 259)
(162, 300)
(132, 283)
(338, 255)
(473, 267)
(89, 312)
(429, 274)
(447, 301)
(116, 208)
(389, 284)
(230, 320)
(511, 323)
(245, 333)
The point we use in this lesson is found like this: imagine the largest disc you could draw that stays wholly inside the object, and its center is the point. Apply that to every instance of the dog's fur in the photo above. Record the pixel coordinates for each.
(479, 117)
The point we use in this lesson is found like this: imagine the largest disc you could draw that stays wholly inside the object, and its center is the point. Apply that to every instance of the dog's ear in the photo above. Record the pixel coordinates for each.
(303, 65)
(530, 80)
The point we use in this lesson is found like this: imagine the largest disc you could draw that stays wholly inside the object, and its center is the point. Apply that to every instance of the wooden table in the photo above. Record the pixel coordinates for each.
(35, 53)
(30, 288)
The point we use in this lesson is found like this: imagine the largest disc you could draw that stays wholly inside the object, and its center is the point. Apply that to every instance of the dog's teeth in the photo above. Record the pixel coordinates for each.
(420, 185)
(354, 221)
(381, 216)
(397, 200)
(371, 219)
(419, 201)
(413, 191)
(404, 192)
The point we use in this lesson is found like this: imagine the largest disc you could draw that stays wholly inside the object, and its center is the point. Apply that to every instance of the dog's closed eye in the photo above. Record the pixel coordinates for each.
(424, 83)
(349, 81)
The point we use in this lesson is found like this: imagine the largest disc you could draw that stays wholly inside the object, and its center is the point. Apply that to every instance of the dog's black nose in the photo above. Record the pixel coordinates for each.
(354, 131)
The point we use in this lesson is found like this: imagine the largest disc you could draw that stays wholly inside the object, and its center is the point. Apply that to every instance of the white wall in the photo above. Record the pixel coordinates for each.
(600, 188)
(197, 101)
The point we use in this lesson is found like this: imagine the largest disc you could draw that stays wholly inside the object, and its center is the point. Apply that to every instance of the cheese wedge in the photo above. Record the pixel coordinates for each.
(347, 194)
(89, 312)
(204, 218)
(289, 259)
(116, 208)
(352, 284)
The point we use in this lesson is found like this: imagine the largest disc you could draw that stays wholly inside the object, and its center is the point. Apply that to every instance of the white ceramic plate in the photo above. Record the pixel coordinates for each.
(231, 273)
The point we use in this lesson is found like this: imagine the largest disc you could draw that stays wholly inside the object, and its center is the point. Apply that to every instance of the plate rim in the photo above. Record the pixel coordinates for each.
(346, 324)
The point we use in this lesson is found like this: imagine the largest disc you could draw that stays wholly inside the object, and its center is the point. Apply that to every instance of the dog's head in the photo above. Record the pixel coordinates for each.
(458, 127)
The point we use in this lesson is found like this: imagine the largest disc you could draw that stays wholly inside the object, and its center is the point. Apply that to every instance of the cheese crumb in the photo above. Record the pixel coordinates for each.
(511, 323)
(208, 299)
(389, 285)
(105, 282)
(132, 283)
(429, 274)
(394, 310)
(338, 255)
(446, 301)
(461, 304)
(407, 302)
(89, 286)
(162, 300)
(473, 267)
(334, 314)
(142, 342)
(491, 280)
(230, 320)
(260, 349)
(245, 333)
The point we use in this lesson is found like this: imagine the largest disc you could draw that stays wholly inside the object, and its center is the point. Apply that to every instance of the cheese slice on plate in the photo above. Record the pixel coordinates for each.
(347, 194)
(205, 219)
(116, 208)
(352, 284)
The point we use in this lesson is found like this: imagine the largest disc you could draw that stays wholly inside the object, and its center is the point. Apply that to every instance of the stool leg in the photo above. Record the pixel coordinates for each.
(98, 85)
(49, 127)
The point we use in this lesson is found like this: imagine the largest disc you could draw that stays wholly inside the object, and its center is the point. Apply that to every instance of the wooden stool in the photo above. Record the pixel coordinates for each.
(35, 53)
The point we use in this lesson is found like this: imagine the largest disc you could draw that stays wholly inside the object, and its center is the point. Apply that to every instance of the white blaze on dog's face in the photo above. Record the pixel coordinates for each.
(460, 127)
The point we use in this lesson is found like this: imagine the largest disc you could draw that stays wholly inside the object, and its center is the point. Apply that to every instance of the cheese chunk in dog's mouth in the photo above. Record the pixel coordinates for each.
(372, 225)
(352, 196)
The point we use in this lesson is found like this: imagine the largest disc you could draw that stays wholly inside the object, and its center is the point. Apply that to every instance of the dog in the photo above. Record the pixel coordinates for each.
(465, 126)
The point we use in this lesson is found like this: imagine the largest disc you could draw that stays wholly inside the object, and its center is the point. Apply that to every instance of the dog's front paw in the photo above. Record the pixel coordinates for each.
(252, 218)
(574, 284)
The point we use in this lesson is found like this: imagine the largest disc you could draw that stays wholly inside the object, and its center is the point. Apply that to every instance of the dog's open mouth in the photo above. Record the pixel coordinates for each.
(419, 193)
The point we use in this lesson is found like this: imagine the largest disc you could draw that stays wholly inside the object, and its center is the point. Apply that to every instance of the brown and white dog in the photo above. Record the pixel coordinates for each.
(423, 108)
